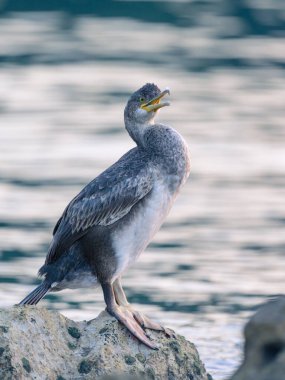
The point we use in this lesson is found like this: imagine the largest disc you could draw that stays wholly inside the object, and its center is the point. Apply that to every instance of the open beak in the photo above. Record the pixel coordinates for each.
(154, 104)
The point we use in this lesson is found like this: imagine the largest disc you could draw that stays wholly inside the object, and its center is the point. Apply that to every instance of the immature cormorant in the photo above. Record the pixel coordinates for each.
(110, 222)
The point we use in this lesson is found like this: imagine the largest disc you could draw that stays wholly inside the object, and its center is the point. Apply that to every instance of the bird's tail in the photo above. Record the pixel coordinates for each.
(36, 295)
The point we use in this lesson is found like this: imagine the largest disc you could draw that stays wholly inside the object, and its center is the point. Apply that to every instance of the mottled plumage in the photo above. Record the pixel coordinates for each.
(110, 222)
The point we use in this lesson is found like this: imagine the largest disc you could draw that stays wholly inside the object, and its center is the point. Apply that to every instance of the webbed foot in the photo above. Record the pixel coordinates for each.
(127, 318)
(141, 319)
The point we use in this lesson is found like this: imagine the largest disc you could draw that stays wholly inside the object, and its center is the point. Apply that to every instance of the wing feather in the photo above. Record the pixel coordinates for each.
(105, 200)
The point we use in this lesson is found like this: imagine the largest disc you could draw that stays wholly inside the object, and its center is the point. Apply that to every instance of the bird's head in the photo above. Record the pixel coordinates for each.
(142, 108)
(144, 104)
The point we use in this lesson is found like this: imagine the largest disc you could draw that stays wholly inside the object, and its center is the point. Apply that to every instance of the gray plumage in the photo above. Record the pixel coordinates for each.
(103, 201)
(111, 221)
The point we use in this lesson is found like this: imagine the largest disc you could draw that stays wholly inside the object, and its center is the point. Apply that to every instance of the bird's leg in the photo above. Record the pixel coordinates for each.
(123, 315)
(142, 319)
(119, 293)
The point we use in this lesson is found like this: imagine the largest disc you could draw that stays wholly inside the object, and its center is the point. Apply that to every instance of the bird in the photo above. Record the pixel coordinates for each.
(106, 227)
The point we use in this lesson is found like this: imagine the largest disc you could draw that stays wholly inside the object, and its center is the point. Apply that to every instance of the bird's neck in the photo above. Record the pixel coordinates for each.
(138, 131)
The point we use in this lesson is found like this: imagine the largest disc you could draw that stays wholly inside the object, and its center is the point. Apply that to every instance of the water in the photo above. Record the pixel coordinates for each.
(63, 86)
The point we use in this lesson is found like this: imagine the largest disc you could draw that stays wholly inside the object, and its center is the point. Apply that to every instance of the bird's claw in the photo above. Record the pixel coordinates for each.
(147, 323)
(169, 333)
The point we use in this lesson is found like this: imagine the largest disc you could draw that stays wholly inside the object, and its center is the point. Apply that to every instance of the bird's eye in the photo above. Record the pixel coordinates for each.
(142, 100)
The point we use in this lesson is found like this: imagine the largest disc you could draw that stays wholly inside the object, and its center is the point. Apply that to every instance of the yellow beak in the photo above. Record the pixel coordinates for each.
(154, 104)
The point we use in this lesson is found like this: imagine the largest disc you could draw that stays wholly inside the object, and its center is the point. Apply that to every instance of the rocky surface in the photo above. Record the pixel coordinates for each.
(39, 344)
(264, 357)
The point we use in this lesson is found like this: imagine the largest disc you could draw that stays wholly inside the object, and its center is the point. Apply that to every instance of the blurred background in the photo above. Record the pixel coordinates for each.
(67, 69)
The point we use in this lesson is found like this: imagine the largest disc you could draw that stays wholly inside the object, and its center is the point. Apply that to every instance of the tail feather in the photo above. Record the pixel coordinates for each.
(36, 295)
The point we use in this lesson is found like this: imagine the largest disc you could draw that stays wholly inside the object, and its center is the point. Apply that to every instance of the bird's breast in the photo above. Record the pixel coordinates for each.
(140, 225)
(171, 155)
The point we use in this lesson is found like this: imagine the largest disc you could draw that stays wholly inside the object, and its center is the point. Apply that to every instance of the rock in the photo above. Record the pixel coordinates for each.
(264, 357)
(36, 343)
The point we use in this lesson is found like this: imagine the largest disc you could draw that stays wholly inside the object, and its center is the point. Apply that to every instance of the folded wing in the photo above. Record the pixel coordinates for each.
(105, 200)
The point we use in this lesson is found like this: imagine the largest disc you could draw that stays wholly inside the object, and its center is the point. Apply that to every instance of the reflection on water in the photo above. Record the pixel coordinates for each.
(62, 95)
